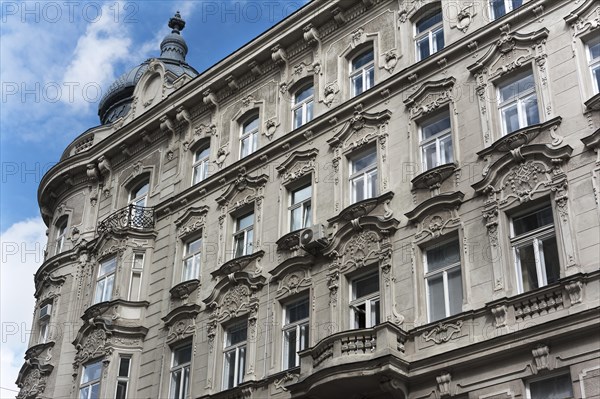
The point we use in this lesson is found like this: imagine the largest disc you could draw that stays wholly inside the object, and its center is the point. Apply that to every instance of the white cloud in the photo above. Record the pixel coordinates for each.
(22, 253)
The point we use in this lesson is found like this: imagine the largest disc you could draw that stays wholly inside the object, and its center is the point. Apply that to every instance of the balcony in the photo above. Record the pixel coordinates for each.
(132, 217)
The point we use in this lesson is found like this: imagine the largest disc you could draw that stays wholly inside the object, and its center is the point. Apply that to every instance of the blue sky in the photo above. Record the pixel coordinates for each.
(56, 58)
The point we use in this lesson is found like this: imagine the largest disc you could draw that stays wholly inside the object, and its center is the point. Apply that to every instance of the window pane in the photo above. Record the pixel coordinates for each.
(91, 372)
(533, 220)
(297, 117)
(370, 78)
(237, 334)
(362, 60)
(290, 348)
(517, 3)
(245, 221)
(438, 39)
(358, 189)
(110, 281)
(246, 150)
(455, 291)
(594, 50)
(99, 291)
(108, 266)
(360, 315)
(429, 21)
(251, 125)
(124, 367)
(303, 94)
(510, 116)
(375, 313)
(357, 84)
(559, 387)
(121, 390)
(193, 246)
(531, 111)
(447, 155)
(229, 372)
(423, 48)
(372, 184)
(364, 161)
(297, 310)
(443, 255)
(430, 156)
(550, 253)
(140, 191)
(241, 365)
(249, 242)
(239, 245)
(498, 8)
(596, 75)
(307, 215)
(301, 194)
(309, 111)
(95, 391)
(182, 355)
(519, 84)
(434, 126)
(296, 222)
(366, 285)
(202, 154)
(526, 258)
(303, 337)
(437, 305)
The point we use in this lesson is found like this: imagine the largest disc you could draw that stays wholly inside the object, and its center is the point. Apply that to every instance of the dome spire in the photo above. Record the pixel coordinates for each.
(173, 45)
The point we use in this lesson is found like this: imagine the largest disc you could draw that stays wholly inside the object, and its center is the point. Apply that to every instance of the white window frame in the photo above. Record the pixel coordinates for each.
(106, 296)
(44, 323)
(363, 71)
(435, 139)
(235, 349)
(371, 300)
(534, 238)
(250, 135)
(520, 100)
(593, 63)
(296, 326)
(508, 8)
(184, 382)
(123, 380)
(363, 175)
(195, 257)
(91, 383)
(437, 29)
(244, 233)
(305, 204)
(142, 199)
(137, 268)
(303, 106)
(547, 377)
(200, 165)
(444, 272)
(61, 234)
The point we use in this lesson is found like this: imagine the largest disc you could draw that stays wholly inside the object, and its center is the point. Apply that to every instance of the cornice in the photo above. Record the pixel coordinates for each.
(593, 140)
(453, 200)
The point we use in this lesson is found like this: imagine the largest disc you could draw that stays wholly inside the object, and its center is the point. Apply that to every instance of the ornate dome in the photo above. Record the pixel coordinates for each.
(119, 96)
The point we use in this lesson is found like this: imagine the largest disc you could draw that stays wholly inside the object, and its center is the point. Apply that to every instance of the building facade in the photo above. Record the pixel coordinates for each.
(373, 199)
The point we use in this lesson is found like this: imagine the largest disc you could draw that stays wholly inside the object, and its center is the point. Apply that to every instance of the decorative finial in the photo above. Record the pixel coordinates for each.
(176, 23)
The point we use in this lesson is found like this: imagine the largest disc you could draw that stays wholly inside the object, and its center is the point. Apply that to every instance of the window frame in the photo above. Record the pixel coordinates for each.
(363, 71)
(444, 271)
(244, 232)
(438, 28)
(136, 271)
(184, 382)
(123, 379)
(534, 238)
(303, 106)
(564, 373)
(363, 174)
(61, 235)
(84, 385)
(369, 300)
(196, 258)
(436, 138)
(251, 135)
(297, 327)
(520, 100)
(105, 297)
(593, 63)
(201, 164)
(305, 205)
(235, 348)
(508, 8)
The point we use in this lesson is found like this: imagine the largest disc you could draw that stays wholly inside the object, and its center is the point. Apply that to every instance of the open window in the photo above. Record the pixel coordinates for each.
(181, 361)
(365, 304)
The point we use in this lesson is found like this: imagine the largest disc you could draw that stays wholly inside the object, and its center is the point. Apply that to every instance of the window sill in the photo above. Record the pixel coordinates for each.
(237, 264)
(434, 177)
(184, 289)
(363, 208)
(593, 104)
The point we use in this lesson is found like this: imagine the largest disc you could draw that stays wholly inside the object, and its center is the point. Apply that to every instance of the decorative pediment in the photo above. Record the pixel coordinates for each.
(49, 287)
(364, 208)
(443, 332)
(234, 296)
(437, 215)
(361, 242)
(293, 275)
(512, 50)
(433, 178)
(361, 129)
(430, 97)
(524, 173)
(593, 104)
(524, 136)
(298, 164)
(184, 289)
(238, 264)
(191, 221)
(289, 241)
(592, 141)
(181, 322)
(584, 18)
(243, 190)
(109, 246)
(434, 204)
(32, 379)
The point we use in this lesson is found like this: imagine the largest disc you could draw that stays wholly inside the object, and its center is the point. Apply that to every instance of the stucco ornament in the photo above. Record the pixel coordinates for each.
(95, 345)
(33, 385)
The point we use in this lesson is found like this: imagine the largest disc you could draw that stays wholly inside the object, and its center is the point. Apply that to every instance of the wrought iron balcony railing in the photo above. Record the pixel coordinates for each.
(131, 217)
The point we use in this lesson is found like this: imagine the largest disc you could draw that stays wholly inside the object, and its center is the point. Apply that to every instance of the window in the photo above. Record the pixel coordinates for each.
(593, 48)
(443, 283)
(243, 236)
(44, 317)
(535, 250)
(61, 232)
(249, 137)
(517, 102)
(501, 7)
(180, 372)
(295, 331)
(137, 201)
(364, 307)
(363, 175)
(303, 106)
(429, 35)
(89, 388)
(234, 353)
(105, 280)
(362, 75)
(191, 259)
(200, 165)
(556, 387)
(436, 141)
(123, 377)
(300, 208)
(137, 268)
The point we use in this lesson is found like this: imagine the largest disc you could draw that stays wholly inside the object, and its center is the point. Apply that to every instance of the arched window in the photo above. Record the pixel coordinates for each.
(429, 34)
(139, 195)
(362, 72)
(249, 136)
(302, 110)
(200, 166)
